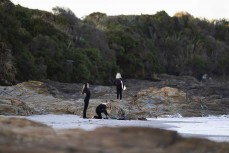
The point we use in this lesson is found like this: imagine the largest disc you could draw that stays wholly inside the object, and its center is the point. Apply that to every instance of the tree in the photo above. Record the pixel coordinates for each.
(7, 68)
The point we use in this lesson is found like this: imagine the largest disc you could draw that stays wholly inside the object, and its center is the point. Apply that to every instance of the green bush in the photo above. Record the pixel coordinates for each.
(200, 65)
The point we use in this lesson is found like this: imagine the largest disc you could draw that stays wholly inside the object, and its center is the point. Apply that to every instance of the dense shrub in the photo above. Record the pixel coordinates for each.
(61, 47)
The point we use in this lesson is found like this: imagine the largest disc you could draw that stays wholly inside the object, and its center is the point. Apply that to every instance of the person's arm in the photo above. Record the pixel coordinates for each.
(123, 82)
(105, 111)
(83, 91)
(107, 115)
(115, 82)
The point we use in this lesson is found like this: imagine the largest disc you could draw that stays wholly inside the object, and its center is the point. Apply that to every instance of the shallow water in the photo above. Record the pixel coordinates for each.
(214, 127)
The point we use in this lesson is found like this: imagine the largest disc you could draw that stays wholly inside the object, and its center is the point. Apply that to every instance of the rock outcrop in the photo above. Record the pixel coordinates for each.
(184, 96)
(167, 95)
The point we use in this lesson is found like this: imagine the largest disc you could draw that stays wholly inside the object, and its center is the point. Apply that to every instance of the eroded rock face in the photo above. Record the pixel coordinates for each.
(169, 101)
(182, 95)
(11, 106)
(35, 97)
(24, 136)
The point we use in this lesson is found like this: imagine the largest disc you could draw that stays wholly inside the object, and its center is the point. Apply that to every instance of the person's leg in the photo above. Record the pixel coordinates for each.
(117, 93)
(99, 114)
(96, 117)
(86, 102)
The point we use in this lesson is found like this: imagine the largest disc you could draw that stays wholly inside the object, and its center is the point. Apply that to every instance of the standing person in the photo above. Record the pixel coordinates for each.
(87, 93)
(119, 85)
(102, 108)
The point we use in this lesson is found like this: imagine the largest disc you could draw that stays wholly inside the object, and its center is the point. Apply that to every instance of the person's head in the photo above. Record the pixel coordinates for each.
(108, 105)
(118, 76)
(86, 85)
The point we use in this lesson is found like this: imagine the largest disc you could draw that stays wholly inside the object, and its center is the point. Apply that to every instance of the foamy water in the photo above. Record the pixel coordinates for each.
(214, 127)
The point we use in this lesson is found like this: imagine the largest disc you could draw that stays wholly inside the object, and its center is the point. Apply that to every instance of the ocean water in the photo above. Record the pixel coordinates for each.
(215, 128)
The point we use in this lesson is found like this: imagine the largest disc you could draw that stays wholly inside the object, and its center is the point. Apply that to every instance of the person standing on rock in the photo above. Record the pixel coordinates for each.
(119, 85)
(87, 93)
(102, 108)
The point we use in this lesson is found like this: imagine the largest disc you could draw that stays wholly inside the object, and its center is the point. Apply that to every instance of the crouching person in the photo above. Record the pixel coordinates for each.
(103, 108)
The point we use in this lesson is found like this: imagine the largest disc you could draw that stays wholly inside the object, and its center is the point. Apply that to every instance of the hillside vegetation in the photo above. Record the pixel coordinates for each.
(39, 45)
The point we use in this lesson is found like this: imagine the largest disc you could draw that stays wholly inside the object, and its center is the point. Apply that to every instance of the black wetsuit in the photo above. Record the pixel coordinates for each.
(102, 108)
(119, 87)
(86, 100)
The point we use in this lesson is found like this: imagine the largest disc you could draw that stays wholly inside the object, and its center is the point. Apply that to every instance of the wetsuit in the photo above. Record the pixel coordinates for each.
(119, 83)
(102, 108)
(86, 100)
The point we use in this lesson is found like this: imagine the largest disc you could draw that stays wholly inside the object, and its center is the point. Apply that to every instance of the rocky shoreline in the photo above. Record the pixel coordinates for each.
(168, 95)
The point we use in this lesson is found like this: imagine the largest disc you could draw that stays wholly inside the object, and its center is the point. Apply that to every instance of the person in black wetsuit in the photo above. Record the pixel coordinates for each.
(87, 93)
(119, 85)
(102, 108)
